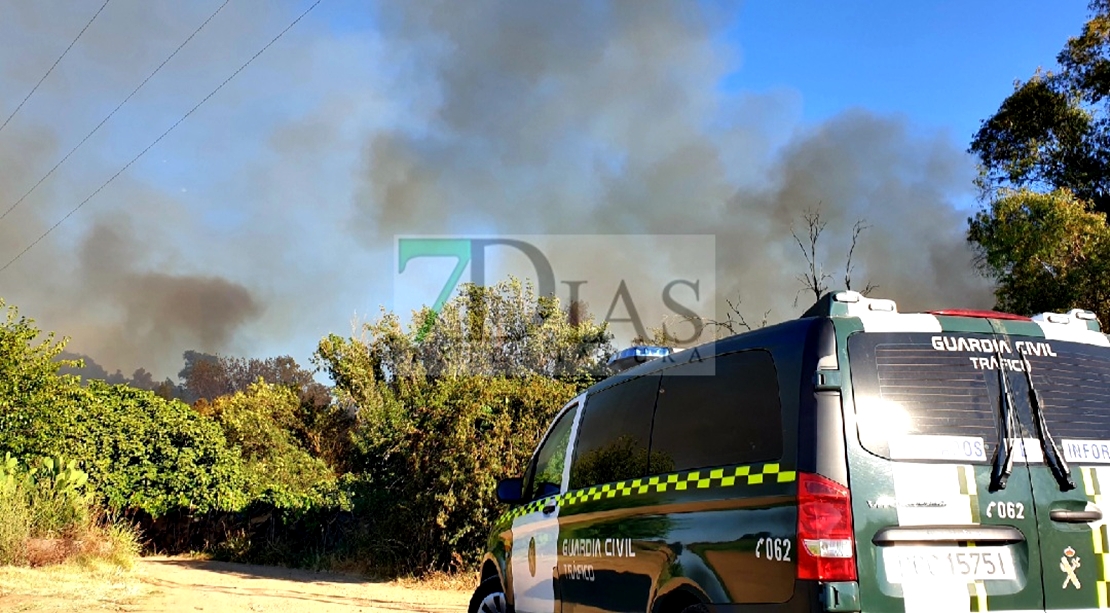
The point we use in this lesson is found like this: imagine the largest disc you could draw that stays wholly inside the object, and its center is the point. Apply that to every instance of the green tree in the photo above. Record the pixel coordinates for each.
(141, 451)
(447, 406)
(35, 401)
(1053, 131)
(1046, 252)
(263, 423)
(1044, 160)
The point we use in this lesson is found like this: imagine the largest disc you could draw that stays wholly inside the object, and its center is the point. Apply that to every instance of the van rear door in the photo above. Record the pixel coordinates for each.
(1072, 385)
(937, 527)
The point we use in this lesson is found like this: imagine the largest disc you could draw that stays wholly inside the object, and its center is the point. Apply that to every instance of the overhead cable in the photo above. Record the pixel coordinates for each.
(109, 115)
(53, 66)
(163, 135)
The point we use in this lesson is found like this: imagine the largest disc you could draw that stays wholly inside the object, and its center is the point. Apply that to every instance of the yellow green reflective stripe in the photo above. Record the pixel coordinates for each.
(1092, 487)
(978, 592)
(751, 474)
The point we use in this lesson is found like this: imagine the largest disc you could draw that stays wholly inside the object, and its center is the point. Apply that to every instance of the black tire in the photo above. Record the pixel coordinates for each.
(696, 608)
(489, 598)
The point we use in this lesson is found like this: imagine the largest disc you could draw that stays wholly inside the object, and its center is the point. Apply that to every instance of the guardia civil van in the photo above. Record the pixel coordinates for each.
(855, 459)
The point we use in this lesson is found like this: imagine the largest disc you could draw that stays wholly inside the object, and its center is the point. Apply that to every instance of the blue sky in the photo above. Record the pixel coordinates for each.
(945, 64)
(267, 219)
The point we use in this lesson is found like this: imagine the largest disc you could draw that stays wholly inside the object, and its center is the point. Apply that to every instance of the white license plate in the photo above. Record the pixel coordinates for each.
(915, 563)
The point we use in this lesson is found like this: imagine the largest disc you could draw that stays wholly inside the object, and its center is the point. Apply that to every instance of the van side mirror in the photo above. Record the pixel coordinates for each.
(511, 490)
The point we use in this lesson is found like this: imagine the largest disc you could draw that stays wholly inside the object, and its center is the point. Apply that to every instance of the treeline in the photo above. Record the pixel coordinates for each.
(392, 469)
(205, 376)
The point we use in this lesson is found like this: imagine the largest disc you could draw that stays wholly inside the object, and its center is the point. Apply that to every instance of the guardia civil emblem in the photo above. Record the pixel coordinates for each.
(1069, 563)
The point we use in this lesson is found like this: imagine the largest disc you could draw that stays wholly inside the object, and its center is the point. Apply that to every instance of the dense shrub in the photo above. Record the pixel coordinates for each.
(430, 506)
(36, 404)
(144, 452)
(396, 470)
(263, 422)
(446, 408)
(140, 451)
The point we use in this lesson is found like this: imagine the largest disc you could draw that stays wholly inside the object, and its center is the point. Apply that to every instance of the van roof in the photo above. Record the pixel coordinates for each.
(882, 315)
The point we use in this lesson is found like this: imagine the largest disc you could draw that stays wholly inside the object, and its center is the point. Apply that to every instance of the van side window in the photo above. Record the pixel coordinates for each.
(614, 433)
(729, 415)
(551, 458)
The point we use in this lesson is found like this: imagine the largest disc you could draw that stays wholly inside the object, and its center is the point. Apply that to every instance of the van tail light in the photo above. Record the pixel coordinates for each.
(826, 542)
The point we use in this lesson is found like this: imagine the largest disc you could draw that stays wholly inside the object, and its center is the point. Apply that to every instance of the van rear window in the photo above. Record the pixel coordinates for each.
(1074, 383)
(903, 386)
(916, 386)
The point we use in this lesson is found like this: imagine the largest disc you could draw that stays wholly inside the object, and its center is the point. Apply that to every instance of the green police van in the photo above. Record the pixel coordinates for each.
(855, 459)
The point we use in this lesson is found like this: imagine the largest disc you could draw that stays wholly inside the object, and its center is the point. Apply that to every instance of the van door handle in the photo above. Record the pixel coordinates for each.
(1075, 517)
(549, 507)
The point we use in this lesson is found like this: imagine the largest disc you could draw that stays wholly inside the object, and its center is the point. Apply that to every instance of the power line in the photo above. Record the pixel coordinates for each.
(109, 116)
(53, 66)
(164, 134)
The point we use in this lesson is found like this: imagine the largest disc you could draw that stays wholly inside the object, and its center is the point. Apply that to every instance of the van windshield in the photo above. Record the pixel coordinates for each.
(936, 396)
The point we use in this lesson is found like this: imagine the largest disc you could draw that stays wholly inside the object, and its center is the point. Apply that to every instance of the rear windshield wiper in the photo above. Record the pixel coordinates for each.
(1052, 456)
(1004, 455)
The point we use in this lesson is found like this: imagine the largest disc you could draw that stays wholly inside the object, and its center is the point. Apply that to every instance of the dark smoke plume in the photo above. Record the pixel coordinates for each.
(489, 116)
(608, 118)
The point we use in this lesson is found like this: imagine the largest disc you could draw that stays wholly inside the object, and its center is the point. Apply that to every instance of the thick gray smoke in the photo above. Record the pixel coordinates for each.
(580, 118)
(118, 277)
(269, 216)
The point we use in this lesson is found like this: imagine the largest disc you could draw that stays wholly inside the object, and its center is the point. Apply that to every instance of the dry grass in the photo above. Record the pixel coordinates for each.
(88, 587)
(453, 582)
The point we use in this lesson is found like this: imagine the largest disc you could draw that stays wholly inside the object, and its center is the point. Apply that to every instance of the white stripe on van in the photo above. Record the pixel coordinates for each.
(879, 321)
(1075, 333)
(931, 494)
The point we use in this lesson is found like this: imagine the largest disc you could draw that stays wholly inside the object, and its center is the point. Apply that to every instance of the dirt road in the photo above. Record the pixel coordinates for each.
(176, 585)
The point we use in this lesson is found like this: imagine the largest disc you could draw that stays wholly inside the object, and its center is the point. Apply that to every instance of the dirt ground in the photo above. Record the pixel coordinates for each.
(180, 585)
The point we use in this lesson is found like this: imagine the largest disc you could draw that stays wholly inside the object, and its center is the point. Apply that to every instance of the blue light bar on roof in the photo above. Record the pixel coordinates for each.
(627, 358)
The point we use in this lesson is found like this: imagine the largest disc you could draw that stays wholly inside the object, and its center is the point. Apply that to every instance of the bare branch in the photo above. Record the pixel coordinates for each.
(857, 229)
(815, 277)
(734, 321)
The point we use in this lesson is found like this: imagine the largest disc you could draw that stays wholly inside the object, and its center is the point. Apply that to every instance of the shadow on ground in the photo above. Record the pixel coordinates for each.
(257, 571)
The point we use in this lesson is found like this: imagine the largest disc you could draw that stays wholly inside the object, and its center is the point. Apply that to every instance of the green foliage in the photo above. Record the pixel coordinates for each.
(145, 452)
(49, 516)
(1046, 252)
(447, 407)
(262, 422)
(1052, 131)
(438, 469)
(46, 499)
(35, 402)
(1045, 173)
(504, 330)
(399, 469)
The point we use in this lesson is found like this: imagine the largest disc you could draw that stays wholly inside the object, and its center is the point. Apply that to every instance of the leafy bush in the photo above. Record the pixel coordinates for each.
(400, 470)
(279, 470)
(448, 407)
(145, 452)
(35, 402)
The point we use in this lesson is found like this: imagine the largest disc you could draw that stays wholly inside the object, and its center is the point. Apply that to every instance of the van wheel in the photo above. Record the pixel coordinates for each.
(696, 608)
(489, 598)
